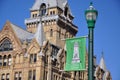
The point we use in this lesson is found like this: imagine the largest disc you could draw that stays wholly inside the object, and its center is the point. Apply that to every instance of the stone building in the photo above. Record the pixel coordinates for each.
(38, 53)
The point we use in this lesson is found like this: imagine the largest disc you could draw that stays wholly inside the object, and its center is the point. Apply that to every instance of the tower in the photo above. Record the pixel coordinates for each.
(107, 74)
(56, 20)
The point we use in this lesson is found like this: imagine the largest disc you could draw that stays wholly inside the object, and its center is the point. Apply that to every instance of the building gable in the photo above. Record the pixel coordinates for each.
(34, 47)
(9, 34)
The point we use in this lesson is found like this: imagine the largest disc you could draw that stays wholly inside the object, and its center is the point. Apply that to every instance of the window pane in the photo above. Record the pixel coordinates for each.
(51, 32)
(6, 45)
(34, 74)
(3, 77)
(7, 76)
(20, 76)
(0, 60)
(4, 61)
(31, 58)
(43, 9)
(35, 57)
(30, 75)
(9, 60)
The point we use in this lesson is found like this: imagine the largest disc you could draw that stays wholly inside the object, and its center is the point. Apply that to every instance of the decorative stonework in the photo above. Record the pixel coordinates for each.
(24, 61)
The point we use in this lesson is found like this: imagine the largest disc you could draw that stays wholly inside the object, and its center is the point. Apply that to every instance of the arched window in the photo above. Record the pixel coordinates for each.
(9, 60)
(42, 9)
(0, 60)
(3, 77)
(6, 45)
(51, 32)
(20, 76)
(8, 76)
(5, 60)
(16, 76)
(32, 75)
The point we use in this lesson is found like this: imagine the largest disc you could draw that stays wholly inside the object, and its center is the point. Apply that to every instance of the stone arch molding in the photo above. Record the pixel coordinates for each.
(33, 47)
(10, 37)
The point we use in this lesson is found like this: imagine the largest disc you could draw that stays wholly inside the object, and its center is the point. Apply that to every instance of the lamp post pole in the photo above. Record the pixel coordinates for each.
(91, 15)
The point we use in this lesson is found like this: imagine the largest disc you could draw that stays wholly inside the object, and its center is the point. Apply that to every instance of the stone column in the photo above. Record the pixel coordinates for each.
(61, 76)
(72, 75)
(77, 75)
(41, 70)
(49, 76)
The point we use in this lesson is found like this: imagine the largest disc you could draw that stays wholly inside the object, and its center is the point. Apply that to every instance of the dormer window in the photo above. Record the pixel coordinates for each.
(6, 45)
(43, 9)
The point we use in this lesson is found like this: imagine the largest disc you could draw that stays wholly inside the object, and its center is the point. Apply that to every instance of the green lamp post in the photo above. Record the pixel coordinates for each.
(91, 16)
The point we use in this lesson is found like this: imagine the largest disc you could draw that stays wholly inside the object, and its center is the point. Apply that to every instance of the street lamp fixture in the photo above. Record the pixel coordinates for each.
(91, 16)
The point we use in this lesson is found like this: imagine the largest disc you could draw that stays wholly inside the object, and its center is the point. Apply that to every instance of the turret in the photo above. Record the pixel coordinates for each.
(56, 20)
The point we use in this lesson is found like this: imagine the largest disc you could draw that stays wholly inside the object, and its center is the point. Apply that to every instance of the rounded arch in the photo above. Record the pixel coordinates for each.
(9, 56)
(7, 76)
(3, 76)
(9, 59)
(11, 38)
(42, 9)
(4, 57)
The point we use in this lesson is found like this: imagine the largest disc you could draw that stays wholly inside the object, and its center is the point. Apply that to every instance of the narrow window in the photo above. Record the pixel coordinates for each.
(8, 76)
(35, 57)
(0, 60)
(16, 76)
(33, 15)
(53, 12)
(5, 61)
(43, 9)
(9, 60)
(50, 12)
(31, 58)
(51, 32)
(30, 75)
(66, 11)
(20, 76)
(3, 77)
(34, 74)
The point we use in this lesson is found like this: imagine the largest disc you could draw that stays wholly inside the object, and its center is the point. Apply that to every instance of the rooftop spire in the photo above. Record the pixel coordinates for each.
(102, 62)
(39, 35)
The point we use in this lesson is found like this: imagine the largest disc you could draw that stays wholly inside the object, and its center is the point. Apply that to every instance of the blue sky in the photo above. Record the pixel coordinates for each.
(107, 29)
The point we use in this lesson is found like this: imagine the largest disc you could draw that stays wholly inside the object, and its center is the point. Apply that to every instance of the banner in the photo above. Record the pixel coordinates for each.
(76, 51)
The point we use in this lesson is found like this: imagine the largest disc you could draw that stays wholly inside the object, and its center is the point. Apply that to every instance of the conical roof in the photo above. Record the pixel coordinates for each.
(102, 63)
(39, 35)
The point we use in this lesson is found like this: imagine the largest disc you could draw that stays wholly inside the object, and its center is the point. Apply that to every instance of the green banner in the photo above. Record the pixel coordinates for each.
(76, 50)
